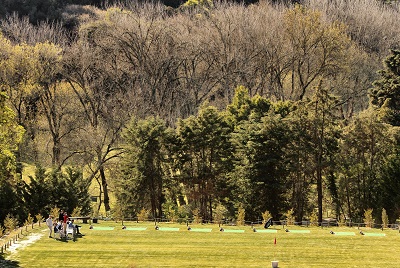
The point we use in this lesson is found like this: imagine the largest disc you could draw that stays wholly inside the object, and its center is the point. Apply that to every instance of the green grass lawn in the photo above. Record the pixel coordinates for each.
(140, 245)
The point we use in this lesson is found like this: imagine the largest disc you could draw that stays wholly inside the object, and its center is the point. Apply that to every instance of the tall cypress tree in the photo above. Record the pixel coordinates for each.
(207, 149)
(386, 96)
(10, 136)
(386, 91)
(141, 183)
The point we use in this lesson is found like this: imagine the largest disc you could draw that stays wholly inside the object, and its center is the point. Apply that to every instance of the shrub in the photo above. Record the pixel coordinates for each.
(314, 218)
(385, 218)
(266, 215)
(196, 216)
(143, 214)
(10, 223)
(184, 212)
(55, 212)
(342, 221)
(289, 217)
(171, 211)
(368, 219)
(220, 213)
(240, 216)
(39, 218)
(173, 214)
(29, 220)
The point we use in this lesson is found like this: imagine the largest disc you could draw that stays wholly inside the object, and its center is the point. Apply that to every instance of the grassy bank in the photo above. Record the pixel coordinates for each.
(140, 245)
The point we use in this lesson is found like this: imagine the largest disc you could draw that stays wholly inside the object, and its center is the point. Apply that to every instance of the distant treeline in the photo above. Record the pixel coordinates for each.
(52, 10)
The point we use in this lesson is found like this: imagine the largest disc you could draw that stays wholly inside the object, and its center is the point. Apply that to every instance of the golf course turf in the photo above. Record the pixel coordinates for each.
(174, 245)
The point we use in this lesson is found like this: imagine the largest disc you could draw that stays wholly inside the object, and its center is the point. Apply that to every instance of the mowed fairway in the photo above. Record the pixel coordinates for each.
(140, 245)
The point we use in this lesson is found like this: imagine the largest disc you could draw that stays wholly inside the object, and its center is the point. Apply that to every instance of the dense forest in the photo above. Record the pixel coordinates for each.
(201, 110)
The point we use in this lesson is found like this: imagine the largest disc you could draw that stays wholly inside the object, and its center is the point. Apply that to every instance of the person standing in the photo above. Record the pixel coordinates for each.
(49, 223)
(65, 220)
(61, 216)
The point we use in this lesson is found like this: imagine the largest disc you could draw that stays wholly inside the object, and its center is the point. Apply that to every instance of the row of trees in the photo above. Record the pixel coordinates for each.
(73, 94)
(263, 156)
(39, 11)
(54, 10)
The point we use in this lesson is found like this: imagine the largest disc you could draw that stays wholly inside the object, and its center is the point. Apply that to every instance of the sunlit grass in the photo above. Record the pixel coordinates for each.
(28, 170)
(183, 248)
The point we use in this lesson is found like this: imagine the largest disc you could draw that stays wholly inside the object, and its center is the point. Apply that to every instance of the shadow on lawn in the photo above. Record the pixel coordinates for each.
(8, 263)
(67, 239)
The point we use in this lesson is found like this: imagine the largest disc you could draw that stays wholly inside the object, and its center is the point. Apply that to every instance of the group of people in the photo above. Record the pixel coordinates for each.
(61, 224)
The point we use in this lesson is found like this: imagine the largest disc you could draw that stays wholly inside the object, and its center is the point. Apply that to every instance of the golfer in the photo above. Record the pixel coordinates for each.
(49, 223)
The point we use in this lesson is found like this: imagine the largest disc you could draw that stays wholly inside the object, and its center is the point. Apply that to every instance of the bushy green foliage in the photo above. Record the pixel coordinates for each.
(258, 140)
(171, 211)
(67, 190)
(29, 220)
(197, 216)
(289, 215)
(386, 91)
(240, 216)
(390, 186)
(143, 215)
(184, 212)
(368, 218)
(385, 219)
(366, 139)
(54, 212)
(8, 200)
(10, 136)
(220, 213)
(266, 215)
(314, 218)
(10, 223)
(39, 218)
(204, 156)
(143, 169)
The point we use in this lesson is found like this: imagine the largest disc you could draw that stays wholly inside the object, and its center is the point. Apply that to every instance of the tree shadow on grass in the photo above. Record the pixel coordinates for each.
(8, 263)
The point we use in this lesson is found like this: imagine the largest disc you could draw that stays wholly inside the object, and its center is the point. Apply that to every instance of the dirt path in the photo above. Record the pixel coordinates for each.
(20, 244)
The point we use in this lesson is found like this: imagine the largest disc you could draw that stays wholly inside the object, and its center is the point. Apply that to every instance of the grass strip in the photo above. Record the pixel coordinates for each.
(267, 231)
(233, 231)
(136, 228)
(345, 233)
(168, 229)
(374, 234)
(204, 230)
(299, 231)
(102, 228)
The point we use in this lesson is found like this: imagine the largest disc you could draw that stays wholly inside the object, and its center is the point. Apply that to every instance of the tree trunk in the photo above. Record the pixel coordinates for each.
(348, 201)
(153, 195)
(105, 189)
(210, 206)
(319, 191)
(56, 152)
(100, 195)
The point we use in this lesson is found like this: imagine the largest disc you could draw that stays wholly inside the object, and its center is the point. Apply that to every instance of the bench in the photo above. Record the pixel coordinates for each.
(84, 219)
